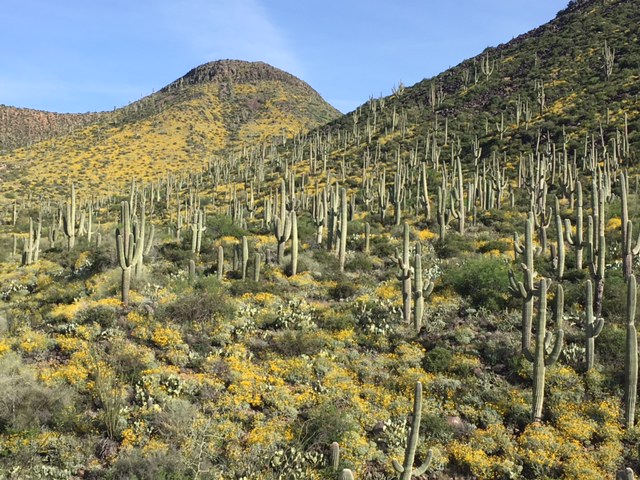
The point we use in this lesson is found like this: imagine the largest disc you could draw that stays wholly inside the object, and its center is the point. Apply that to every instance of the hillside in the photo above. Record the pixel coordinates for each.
(445, 277)
(20, 127)
(218, 106)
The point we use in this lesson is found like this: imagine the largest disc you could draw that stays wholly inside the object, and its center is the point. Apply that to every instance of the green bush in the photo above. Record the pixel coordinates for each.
(438, 360)
(483, 280)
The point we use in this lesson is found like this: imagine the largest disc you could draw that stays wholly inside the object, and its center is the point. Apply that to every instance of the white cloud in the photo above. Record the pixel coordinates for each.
(218, 29)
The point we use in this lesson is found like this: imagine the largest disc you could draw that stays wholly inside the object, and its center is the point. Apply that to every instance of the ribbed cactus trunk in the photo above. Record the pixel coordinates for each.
(294, 243)
(342, 245)
(593, 326)
(405, 274)
(128, 251)
(220, 272)
(631, 356)
(406, 470)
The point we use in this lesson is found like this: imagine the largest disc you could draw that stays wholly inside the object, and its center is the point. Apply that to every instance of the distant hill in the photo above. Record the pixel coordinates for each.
(215, 107)
(20, 127)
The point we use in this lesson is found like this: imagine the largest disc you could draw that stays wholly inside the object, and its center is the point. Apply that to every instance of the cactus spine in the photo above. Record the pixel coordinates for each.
(538, 355)
(631, 356)
(406, 470)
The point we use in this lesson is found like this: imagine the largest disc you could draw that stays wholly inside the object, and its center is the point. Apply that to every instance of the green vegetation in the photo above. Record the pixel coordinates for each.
(366, 300)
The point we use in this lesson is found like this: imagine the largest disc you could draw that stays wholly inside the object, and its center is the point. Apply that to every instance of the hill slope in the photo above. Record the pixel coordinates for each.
(553, 80)
(215, 107)
(270, 316)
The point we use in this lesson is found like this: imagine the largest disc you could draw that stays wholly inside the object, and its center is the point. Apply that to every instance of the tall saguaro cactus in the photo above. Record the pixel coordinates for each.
(405, 274)
(421, 290)
(406, 470)
(69, 219)
(592, 326)
(129, 252)
(342, 245)
(631, 356)
(525, 289)
(538, 356)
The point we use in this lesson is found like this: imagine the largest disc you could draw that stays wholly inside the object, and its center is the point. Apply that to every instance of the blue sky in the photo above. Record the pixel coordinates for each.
(91, 55)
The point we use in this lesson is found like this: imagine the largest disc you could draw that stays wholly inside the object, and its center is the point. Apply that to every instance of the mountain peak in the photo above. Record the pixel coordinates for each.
(236, 71)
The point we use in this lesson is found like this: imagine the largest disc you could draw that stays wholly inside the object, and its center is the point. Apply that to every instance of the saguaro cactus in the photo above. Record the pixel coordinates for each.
(626, 474)
(592, 326)
(405, 274)
(526, 289)
(538, 355)
(342, 245)
(197, 229)
(631, 356)
(294, 242)
(406, 470)
(346, 474)
(335, 455)
(69, 219)
(31, 248)
(128, 251)
(577, 241)
(421, 290)
(220, 271)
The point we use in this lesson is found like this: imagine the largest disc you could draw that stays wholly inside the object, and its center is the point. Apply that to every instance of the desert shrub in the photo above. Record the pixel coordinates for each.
(343, 290)
(438, 360)
(223, 226)
(484, 280)
(454, 245)
(25, 403)
(376, 316)
(292, 343)
(614, 302)
(328, 422)
(152, 465)
(207, 302)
